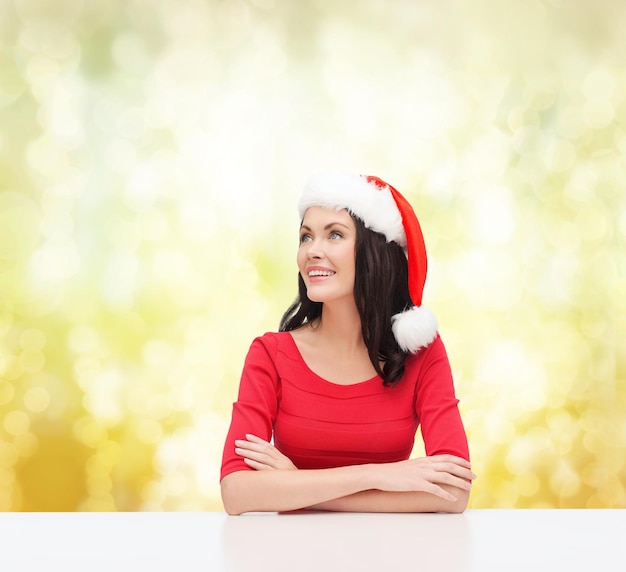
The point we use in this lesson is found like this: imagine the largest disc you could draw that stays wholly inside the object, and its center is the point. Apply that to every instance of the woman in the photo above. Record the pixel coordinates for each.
(329, 406)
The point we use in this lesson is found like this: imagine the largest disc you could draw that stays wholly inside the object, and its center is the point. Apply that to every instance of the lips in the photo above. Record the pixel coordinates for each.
(319, 272)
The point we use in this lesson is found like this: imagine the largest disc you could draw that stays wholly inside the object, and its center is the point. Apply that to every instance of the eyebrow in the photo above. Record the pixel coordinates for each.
(329, 225)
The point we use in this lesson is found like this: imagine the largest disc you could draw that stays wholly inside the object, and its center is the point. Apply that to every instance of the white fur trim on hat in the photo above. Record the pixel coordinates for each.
(414, 328)
(376, 207)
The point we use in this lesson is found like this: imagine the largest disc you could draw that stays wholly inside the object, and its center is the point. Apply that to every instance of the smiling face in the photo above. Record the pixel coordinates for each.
(326, 258)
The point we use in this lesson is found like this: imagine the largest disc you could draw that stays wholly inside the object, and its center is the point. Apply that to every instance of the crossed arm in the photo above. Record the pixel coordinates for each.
(438, 483)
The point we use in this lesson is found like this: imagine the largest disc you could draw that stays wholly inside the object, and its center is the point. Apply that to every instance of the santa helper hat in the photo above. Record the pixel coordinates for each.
(382, 209)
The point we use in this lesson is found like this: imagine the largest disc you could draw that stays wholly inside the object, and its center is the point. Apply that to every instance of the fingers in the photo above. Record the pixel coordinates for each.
(260, 454)
(440, 475)
(455, 470)
(437, 480)
(262, 447)
(254, 439)
(460, 461)
(461, 481)
(256, 465)
(254, 452)
(447, 479)
(257, 461)
(456, 466)
(440, 492)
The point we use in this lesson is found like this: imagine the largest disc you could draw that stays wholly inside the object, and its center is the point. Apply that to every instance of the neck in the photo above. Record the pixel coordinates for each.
(340, 325)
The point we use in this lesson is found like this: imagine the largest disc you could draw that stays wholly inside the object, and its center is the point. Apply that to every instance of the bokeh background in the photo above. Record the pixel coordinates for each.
(151, 155)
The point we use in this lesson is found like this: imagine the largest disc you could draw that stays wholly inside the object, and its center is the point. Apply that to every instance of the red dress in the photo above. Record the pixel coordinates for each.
(319, 424)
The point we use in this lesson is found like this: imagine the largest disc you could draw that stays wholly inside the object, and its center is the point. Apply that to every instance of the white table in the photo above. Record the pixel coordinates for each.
(478, 540)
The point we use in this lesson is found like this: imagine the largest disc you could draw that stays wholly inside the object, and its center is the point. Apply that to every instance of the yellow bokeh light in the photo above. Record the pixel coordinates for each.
(151, 159)
(37, 399)
(16, 423)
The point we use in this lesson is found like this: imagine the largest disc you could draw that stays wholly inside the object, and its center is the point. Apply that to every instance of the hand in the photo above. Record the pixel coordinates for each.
(261, 455)
(426, 474)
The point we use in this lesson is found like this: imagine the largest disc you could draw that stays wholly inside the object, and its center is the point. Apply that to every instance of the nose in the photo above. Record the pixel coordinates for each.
(315, 250)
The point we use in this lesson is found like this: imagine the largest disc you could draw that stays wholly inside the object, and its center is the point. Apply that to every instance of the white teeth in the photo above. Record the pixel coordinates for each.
(320, 273)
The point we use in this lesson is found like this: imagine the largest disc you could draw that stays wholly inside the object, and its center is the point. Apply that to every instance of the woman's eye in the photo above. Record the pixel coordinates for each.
(334, 235)
(305, 238)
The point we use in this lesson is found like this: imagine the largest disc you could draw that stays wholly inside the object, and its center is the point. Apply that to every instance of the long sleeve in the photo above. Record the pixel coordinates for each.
(436, 405)
(257, 403)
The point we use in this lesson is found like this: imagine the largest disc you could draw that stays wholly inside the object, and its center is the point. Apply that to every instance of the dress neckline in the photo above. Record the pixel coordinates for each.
(324, 380)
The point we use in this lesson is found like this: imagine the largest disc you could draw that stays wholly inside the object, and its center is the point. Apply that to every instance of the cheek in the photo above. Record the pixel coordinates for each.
(349, 259)
(300, 258)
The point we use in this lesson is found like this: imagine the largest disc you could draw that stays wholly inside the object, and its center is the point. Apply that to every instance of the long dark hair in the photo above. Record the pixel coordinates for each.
(380, 291)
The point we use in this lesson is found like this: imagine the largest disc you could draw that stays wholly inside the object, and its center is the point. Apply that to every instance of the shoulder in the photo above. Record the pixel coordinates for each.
(429, 359)
(274, 351)
(436, 348)
(433, 350)
(274, 343)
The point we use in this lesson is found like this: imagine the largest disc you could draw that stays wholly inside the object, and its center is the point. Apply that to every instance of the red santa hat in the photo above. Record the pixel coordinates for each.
(382, 209)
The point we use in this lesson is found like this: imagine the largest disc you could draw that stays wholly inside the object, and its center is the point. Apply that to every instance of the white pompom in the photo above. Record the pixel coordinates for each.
(414, 328)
